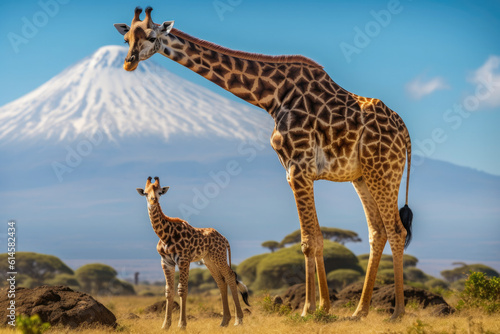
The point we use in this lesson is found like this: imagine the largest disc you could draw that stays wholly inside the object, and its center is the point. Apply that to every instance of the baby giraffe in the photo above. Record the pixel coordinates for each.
(180, 244)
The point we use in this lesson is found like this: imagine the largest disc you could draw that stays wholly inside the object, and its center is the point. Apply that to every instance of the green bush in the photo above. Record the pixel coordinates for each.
(413, 274)
(462, 271)
(286, 266)
(64, 279)
(247, 269)
(458, 285)
(340, 278)
(408, 260)
(482, 292)
(38, 267)
(200, 280)
(122, 288)
(98, 278)
(436, 283)
(26, 282)
(31, 325)
(385, 276)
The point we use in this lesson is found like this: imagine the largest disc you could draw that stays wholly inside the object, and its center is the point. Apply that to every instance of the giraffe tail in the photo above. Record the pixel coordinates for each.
(405, 212)
(242, 288)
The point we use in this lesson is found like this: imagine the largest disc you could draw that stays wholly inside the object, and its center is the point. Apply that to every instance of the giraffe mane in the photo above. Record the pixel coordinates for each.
(243, 54)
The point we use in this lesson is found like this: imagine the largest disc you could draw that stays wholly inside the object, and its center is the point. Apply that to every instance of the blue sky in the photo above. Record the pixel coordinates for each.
(428, 61)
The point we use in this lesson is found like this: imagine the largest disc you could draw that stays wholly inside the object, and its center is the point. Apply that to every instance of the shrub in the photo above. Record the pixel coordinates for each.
(385, 276)
(248, 268)
(461, 272)
(436, 283)
(408, 260)
(64, 279)
(38, 267)
(31, 325)
(98, 278)
(341, 278)
(481, 291)
(285, 267)
(415, 275)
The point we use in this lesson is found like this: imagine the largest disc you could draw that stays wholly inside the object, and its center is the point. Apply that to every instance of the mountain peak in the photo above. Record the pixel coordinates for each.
(98, 95)
(109, 56)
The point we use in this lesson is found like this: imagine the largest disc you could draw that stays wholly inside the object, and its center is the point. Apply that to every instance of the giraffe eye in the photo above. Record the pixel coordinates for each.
(126, 42)
(152, 40)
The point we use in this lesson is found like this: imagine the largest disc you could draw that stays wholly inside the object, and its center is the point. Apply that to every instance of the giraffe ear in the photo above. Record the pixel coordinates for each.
(122, 28)
(166, 27)
(164, 190)
(140, 191)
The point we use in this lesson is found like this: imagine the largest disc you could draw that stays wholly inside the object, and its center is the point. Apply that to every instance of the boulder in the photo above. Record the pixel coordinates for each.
(160, 307)
(384, 298)
(295, 296)
(58, 305)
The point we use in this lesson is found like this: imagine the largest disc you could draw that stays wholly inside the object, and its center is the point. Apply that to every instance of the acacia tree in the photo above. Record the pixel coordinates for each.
(98, 278)
(39, 268)
(464, 269)
(330, 233)
(95, 276)
(272, 245)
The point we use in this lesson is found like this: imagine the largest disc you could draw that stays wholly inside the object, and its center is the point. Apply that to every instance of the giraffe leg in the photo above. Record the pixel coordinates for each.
(377, 238)
(169, 270)
(303, 191)
(324, 302)
(183, 290)
(222, 285)
(385, 194)
(230, 278)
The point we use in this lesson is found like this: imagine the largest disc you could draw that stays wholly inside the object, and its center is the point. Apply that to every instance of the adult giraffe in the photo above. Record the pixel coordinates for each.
(321, 131)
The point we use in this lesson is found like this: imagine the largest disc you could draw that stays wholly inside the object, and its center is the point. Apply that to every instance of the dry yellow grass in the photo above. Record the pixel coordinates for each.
(201, 319)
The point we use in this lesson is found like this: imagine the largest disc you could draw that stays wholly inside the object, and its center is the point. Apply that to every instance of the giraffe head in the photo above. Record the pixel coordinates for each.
(152, 191)
(143, 37)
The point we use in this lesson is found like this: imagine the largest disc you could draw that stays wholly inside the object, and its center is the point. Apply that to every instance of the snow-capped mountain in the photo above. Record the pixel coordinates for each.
(96, 94)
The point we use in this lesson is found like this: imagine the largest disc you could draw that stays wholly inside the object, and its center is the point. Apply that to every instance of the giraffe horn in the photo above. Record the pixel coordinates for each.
(148, 182)
(137, 12)
(157, 180)
(148, 19)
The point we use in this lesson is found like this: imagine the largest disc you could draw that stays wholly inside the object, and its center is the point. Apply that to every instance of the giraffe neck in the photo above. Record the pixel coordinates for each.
(257, 79)
(160, 221)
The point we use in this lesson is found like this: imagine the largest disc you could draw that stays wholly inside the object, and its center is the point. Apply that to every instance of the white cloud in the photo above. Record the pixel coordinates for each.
(487, 81)
(418, 88)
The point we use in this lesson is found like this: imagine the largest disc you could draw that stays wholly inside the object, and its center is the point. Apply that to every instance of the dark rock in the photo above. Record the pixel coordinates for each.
(296, 295)
(58, 305)
(131, 316)
(160, 307)
(277, 300)
(384, 297)
(442, 310)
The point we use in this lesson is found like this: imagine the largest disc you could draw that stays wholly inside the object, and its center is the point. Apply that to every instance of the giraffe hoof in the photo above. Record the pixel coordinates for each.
(396, 317)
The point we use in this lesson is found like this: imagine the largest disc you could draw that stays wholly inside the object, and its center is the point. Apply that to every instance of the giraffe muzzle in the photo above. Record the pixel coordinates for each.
(130, 65)
(131, 62)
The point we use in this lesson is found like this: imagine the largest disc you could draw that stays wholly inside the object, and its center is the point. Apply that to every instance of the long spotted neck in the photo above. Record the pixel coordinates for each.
(160, 221)
(259, 82)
